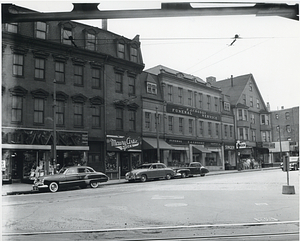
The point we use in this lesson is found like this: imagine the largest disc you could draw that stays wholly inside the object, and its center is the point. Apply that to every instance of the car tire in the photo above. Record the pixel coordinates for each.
(143, 178)
(168, 176)
(94, 184)
(53, 187)
(183, 175)
(202, 174)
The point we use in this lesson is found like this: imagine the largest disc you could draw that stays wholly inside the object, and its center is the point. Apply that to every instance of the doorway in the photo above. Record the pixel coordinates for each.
(124, 159)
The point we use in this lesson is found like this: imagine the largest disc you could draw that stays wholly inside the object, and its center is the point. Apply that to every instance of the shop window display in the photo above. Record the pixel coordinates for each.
(111, 162)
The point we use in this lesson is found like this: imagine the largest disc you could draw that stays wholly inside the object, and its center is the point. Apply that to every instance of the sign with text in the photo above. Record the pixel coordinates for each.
(193, 112)
(123, 143)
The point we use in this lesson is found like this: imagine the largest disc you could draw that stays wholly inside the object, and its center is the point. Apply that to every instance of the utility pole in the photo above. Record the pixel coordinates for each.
(54, 124)
(157, 135)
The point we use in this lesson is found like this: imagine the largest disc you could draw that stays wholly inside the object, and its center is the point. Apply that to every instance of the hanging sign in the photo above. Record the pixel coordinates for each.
(123, 143)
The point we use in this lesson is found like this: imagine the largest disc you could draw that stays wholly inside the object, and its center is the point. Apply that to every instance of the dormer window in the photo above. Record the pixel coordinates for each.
(121, 50)
(151, 88)
(12, 27)
(67, 36)
(133, 54)
(40, 30)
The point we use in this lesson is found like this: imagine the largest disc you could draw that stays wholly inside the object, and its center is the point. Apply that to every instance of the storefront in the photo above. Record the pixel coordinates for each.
(28, 153)
(229, 156)
(123, 153)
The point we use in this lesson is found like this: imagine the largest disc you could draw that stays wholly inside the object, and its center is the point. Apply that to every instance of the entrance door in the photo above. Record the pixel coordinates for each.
(124, 159)
(17, 165)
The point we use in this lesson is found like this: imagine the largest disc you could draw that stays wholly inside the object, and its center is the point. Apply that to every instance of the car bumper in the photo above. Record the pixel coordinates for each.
(38, 187)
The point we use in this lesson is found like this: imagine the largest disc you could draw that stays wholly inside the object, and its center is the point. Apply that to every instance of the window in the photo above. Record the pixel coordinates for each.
(180, 98)
(288, 128)
(208, 102)
(67, 36)
(240, 114)
(264, 120)
(246, 134)
(40, 30)
(231, 131)
(132, 120)
(119, 118)
(60, 72)
(190, 126)
(78, 75)
(170, 92)
(96, 79)
(17, 108)
(38, 112)
(195, 99)
(96, 116)
(119, 83)
(170, 122)
(18, 65)
(226, 106)
(133, 54)
(151, 88)
(257, 104)
(263, 136)
(217, 129)
(39, 68)
(12, 27)
(131, 83)
(209, 128)
(287, 115)
(251, 101)
(121, 50)
(200, 100)
(78, 114)
(245, 115)
(181, 125)
(253, 135)
(216, 104)
(241, 133)
(90, 41)
(252, 119)
(147, 120)
(60, 112)
(190, 97)
(244, 99)
(250, 86)
(225, 131)
(276, 116)
(201, 128)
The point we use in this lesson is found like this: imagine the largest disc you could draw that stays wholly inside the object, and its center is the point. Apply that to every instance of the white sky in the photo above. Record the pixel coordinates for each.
(269, 47)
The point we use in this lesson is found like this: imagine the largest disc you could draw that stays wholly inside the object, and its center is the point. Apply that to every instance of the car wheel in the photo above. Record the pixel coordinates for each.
(94, 184)
(143, 178)
(183, 175)
(168, 176)
(53, 187)
(202, 174)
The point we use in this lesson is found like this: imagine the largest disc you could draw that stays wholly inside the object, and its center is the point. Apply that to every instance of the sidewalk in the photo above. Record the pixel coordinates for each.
(25, 188)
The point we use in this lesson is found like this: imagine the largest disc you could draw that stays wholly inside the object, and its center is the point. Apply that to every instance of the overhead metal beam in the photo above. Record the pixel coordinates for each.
(83, 11)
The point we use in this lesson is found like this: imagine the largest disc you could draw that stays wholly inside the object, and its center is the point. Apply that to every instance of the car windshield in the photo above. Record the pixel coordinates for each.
(63, 170)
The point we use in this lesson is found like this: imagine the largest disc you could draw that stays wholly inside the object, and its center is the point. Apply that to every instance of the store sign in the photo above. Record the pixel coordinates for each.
(122, 143)
(228, 147)
(176, 109)
(184, 142)
(240, 145)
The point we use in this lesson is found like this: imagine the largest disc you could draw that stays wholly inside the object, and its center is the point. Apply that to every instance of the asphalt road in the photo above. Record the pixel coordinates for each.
(248, 205)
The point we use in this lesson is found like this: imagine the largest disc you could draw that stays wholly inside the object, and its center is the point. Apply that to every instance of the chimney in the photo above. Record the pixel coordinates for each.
(104, 24)
(211, 79)
(268, 106)
(231, 78)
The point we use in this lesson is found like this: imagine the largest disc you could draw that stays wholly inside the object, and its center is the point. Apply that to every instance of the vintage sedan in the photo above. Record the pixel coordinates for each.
(150, 171)
(81, 176)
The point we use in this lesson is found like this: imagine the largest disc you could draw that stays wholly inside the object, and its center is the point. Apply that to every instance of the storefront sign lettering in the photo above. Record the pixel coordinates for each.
(171, 108)
(123, 144)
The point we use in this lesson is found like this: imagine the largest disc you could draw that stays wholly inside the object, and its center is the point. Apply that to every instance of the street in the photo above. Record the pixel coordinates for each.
(245, 203)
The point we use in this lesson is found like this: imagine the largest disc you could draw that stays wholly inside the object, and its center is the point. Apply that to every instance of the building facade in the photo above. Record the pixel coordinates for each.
(188, 111)
(253, 130)
(80, 80)
(285, 133)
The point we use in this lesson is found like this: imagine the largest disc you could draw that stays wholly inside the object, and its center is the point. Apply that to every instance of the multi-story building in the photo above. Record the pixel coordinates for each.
(80, 80)
(285, 133)
(253, 131)
(188, 111)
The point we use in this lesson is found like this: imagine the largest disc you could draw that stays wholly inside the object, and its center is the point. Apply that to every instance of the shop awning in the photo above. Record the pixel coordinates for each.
(151, 143)
(201, 148)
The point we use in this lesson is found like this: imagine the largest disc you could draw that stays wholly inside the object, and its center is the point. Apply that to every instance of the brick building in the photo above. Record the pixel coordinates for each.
(97, 104)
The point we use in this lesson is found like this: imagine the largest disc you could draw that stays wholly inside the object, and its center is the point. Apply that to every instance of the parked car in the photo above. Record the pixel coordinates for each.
(150, 171)
(293, 162)
(194, 168)
(81, 176)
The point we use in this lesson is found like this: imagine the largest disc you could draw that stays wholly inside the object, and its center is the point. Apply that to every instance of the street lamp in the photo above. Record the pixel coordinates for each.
(54, 124)
(157, 135)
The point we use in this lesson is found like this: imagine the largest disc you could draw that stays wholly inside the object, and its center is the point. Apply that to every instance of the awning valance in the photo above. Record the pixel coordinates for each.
(201, 149)
(151, 143)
